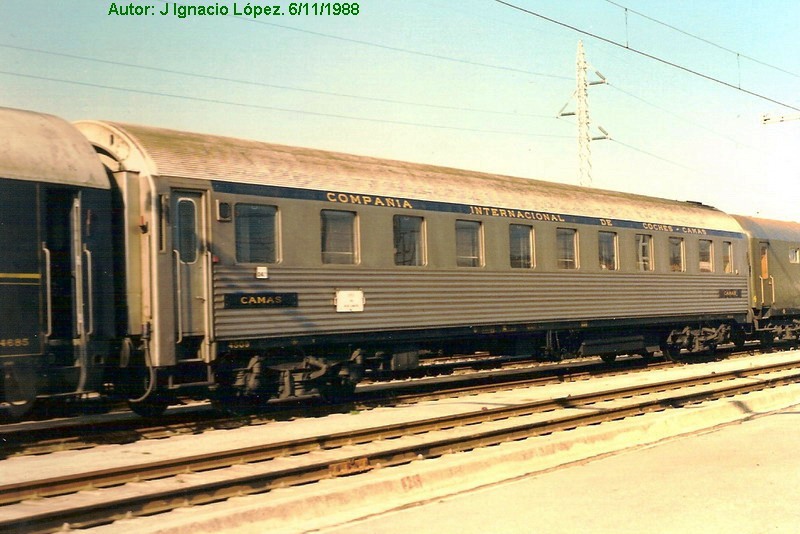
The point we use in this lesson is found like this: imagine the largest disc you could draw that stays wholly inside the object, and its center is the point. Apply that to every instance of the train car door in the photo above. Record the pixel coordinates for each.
(190, 267)
(68, 284)
(767, 282)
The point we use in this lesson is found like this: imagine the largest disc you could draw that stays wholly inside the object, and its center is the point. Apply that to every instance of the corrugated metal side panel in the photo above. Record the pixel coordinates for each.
(411, 300)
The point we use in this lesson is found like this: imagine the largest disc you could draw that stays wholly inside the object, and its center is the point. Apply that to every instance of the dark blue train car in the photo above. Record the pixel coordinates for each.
(56, 276)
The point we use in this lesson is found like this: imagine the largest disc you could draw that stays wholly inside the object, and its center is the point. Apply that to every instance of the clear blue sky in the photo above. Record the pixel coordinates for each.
(470, 84)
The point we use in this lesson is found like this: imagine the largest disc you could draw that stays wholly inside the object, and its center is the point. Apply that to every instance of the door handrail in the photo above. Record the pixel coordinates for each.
(48, 290)
(772, 283)
(90, 284)
(179, 295)
(764, 293)
(208, 296)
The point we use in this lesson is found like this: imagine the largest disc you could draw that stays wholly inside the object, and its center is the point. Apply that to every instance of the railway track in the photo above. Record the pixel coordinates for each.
(438, 378)
(429, 368)
(48, 503)
(124, 427)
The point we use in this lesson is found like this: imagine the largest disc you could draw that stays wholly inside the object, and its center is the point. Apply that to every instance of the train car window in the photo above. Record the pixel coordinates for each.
(520, 237)
(409, 240)
(764, 254)
(339, 237)
(187, 236)
(567, 248)
(256, 233)
(607, 247)
(644, 252)
(676, 255)
(727, 257)
(469, 244)
(706, 256)
(163, 219)
(794, 255)
(223, 211)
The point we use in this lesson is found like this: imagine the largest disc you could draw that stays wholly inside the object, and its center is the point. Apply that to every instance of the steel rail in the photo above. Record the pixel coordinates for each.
(11, 493)
(202, 493)
(504, 380)
(124, 428)
(103, 478)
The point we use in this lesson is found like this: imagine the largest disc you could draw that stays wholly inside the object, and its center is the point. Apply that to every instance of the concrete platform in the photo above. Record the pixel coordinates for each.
(674, 492)
(742, 478)
(20, 469)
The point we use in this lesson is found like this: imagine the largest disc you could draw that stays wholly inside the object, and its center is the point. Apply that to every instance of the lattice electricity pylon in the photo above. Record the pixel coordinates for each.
(581, 95)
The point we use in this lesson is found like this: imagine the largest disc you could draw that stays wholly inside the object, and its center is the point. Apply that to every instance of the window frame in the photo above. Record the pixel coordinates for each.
(728, 266)
(531, 243)
(420, 242)
(561, 263)
(186, 249)
(640, 259)
(710, 253)
(478, 260)
(354, 239)
(275, 232)
(614, 251)
(682, 254)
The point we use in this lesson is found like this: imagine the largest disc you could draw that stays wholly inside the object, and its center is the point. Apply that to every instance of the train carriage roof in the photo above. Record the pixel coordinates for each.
(44, 148)
(163, 152)
(758, 228)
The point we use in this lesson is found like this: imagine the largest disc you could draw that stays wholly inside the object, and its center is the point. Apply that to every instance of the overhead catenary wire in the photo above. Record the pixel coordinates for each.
(328, 115)
(328, 93)
(646, 55)
(649, 154)
(701, 39)
(281, 109)
(678, 116)
(320, 92)
(399, 49)
(425, 54)
(654, 156)
(289, 110)
(211, 77)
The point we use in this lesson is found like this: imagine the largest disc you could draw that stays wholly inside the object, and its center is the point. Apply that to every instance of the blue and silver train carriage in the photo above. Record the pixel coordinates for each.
(56, 265)
(152, 264)
(257, 270)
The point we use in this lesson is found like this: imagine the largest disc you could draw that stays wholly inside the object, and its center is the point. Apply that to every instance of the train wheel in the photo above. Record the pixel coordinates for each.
(152, 408)
(228, 400)
(767, 339)
(337, 391)
(672, 353)
(14, 411)
(608, 358)
(738, 337)
(646, 355)
(18, 390)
